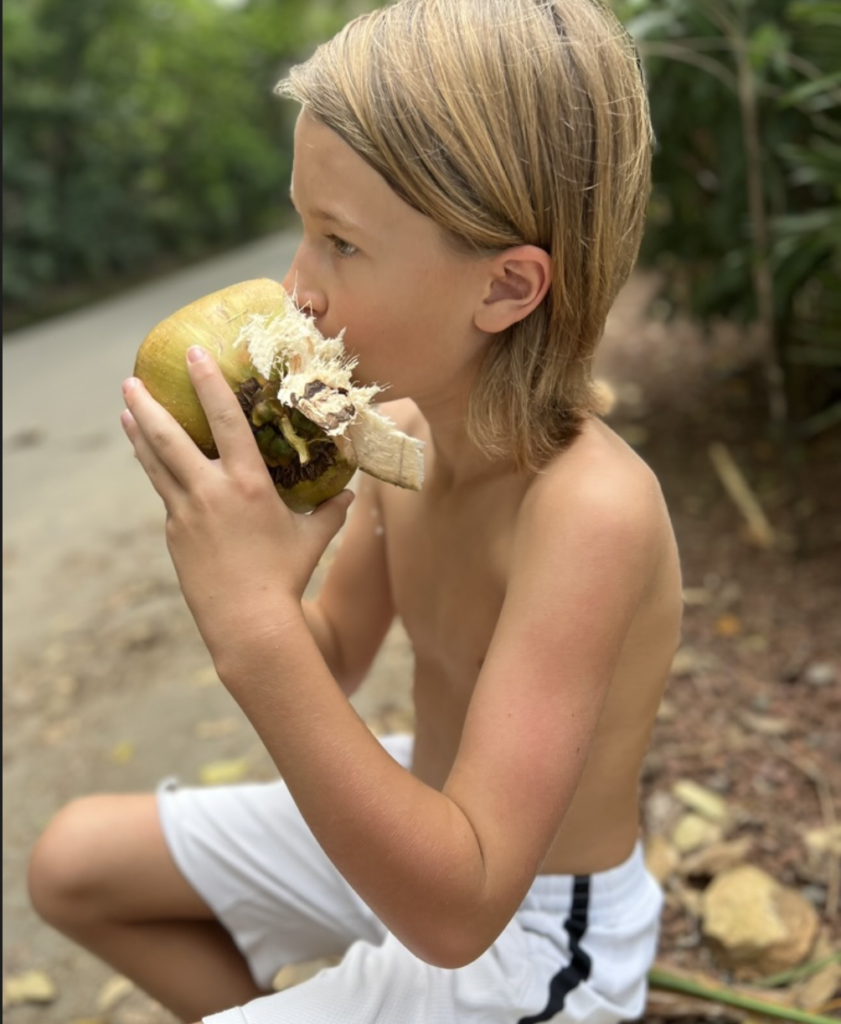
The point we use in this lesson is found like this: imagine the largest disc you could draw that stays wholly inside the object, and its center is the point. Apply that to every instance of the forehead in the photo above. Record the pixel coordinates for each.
(328, 177)
(334, 185)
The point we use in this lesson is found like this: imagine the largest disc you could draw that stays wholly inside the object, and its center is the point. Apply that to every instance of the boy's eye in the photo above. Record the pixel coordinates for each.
(342, 247)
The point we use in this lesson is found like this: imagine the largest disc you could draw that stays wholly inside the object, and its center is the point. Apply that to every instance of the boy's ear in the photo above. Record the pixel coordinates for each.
(517, 282)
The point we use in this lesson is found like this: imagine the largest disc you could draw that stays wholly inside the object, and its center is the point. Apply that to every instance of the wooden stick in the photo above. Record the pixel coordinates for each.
(761, 531)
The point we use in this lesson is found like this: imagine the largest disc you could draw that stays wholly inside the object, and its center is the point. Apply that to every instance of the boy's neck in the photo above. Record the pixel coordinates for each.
(455, 461)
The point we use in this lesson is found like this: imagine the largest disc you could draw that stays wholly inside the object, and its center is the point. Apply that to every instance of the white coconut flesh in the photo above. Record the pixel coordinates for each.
(315, 377)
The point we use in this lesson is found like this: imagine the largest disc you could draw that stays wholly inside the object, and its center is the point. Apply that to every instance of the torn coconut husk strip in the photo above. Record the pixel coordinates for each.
(315, 377)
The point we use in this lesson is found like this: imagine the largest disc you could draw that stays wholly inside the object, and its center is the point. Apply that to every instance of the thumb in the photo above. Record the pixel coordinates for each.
(331, 514)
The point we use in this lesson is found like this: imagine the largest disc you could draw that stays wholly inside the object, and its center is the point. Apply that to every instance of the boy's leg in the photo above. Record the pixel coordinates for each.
(103, 875)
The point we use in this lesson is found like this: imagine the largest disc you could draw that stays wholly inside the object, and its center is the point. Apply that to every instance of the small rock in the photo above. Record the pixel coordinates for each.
(756, 925)
(824, 840)
(821, 673)
(685, 662)
(693, 832)
(661, 812)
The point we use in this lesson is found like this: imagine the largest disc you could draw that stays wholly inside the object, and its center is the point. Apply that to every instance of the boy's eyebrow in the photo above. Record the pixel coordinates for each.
(327, 215)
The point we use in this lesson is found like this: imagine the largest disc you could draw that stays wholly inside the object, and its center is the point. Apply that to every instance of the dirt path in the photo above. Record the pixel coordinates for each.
(107, 686)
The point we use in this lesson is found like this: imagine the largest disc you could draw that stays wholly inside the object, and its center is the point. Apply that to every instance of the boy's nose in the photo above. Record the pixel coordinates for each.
(308, 297)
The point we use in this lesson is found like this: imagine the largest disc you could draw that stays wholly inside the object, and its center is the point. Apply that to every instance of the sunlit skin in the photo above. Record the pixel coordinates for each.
(543, 609)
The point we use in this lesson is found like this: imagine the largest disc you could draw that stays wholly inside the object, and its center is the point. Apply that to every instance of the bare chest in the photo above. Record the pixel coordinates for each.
(448, 573)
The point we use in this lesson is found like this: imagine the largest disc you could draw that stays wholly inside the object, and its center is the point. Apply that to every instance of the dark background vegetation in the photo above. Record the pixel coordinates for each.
(139, 134)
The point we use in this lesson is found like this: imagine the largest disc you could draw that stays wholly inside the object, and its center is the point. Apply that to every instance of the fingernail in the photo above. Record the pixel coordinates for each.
(125, 418)
(195, 353)
(129, 385)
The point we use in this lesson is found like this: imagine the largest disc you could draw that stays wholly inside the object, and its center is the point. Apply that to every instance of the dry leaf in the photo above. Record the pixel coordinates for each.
(661, 858)
(112, 992)
(123, 752)
(205, 676)
(692, 832)
(728, 625)
(717, 858)
(31, 987)
(220, 773)
(674, 1006)
(816, 991)
(701, 800)
(766, 725)
(213, 729)
(294, 974)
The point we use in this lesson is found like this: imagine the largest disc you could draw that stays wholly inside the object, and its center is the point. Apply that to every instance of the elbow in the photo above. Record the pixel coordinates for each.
(450, 945)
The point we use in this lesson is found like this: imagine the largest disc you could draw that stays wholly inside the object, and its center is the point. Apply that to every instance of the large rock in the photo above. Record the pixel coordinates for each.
(756, 925)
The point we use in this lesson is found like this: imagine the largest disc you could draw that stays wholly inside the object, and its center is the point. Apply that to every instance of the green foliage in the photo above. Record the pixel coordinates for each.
(137, 129)
(703, 231)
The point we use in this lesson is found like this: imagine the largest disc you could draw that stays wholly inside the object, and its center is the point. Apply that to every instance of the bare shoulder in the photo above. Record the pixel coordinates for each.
(603, 494)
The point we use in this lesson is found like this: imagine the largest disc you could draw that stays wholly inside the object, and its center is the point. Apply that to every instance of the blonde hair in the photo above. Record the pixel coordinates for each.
(507, 122)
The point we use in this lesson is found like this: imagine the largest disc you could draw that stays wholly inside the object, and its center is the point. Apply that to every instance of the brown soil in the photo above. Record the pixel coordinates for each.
(753, 711)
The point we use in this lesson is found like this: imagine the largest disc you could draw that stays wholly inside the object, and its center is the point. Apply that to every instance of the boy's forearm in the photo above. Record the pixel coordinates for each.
(407, 849)
(325, 638)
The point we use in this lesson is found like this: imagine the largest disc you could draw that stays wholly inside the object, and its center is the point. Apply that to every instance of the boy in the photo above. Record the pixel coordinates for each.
(471, 177)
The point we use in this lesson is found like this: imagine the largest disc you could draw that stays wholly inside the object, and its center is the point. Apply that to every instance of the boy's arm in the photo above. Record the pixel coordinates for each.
(446, 870)
(353, 609)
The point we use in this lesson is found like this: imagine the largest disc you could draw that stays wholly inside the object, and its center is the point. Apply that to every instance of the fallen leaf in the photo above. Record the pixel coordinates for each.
(31, 987)
(661, 858)
(122, 753)
(693, 832)
(701, 800)
(219, 773)
(727, 625)
(205, 677)
(112, 992)
(766, 725)
(825, 840)
(717, 857)
(816, 991)
(294, 974)
(216, 728)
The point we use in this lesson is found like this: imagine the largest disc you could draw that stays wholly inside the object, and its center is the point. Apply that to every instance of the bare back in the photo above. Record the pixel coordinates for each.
(449, 556)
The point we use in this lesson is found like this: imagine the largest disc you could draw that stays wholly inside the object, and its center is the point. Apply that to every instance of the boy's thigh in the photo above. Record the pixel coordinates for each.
(252, 858)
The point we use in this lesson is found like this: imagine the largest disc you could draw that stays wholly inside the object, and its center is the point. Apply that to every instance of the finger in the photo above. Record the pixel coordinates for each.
(229, 426)
(162, 434)
(331, 515)
(160, 477)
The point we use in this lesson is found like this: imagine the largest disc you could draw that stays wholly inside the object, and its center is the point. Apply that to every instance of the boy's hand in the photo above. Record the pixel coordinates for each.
(243, 558)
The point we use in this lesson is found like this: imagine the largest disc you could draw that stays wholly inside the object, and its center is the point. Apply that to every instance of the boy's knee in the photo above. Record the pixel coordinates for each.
(63, 866)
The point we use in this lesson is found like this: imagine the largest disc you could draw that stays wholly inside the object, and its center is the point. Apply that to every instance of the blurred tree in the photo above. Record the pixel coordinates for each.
(140, 129)
(746, 211)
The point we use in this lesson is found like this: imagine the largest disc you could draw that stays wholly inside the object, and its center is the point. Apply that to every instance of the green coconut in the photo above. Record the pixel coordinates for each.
(306, 464)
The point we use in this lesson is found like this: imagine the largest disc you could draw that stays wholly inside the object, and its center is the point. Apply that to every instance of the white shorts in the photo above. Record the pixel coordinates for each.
(578, 949)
